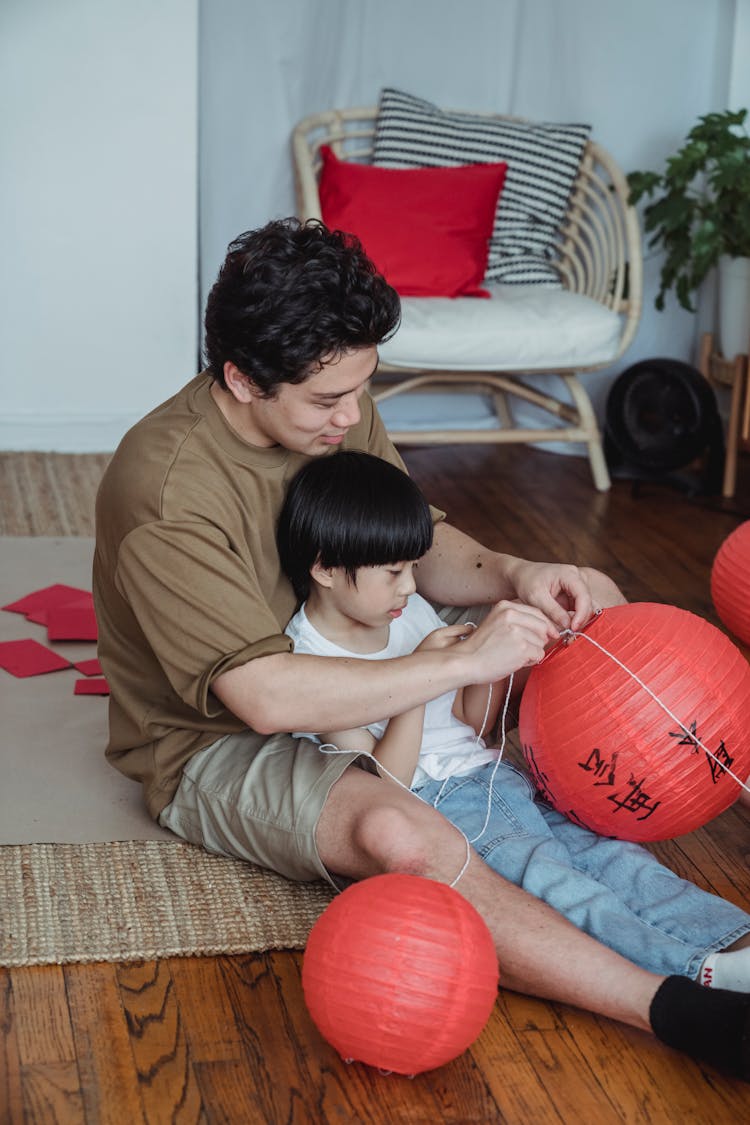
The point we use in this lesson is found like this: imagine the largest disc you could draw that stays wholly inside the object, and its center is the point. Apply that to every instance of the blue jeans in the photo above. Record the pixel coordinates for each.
(615, 891)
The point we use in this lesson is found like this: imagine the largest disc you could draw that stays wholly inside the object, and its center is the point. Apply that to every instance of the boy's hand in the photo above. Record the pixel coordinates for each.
(443, 638)
(512, 636)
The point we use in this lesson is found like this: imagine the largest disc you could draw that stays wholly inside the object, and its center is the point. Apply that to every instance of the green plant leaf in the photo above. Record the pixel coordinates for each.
(642, 183)
(671, 214)
(700, 205)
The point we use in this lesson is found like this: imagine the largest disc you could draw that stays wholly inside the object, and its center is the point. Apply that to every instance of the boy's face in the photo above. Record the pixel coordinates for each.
(379, 597)
(309, 417)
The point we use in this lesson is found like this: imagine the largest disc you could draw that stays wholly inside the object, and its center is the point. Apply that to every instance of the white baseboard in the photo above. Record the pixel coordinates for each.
(29, 430)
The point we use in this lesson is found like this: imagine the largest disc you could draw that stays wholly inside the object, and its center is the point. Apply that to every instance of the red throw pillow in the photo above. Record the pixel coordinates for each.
(426, 229)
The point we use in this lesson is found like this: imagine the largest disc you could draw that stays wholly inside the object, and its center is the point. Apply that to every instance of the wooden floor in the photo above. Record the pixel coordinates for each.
(228, 1039)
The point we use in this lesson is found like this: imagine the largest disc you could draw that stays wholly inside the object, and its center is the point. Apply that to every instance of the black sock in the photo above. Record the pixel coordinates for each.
(707, 1023)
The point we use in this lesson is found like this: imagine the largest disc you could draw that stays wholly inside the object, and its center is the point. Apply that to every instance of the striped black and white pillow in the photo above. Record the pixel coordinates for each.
(542, 159)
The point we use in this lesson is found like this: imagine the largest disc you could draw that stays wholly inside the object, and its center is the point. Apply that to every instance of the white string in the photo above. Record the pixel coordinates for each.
(478, 738)
(691, 735)
(330, 748)
(499, 759)
(447, 778)
(487, 710)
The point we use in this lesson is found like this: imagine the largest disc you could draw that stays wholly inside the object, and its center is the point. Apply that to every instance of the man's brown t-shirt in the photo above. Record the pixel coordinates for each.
(187, 581)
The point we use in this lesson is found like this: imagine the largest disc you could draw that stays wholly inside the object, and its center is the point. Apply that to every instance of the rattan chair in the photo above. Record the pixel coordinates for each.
(599, 257)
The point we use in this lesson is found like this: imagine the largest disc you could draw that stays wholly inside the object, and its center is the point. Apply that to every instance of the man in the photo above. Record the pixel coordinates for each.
(192, 605)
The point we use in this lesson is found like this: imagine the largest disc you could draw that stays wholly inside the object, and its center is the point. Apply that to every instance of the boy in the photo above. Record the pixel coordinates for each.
(350, 535)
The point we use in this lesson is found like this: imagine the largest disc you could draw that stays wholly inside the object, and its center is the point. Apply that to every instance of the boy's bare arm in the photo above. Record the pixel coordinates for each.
(475, 706)
(398, 749)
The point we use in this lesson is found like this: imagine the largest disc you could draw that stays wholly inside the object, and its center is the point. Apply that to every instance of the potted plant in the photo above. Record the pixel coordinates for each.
(700, 217)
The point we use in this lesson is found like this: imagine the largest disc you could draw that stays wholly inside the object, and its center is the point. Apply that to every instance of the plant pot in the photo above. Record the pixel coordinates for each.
(734, 306)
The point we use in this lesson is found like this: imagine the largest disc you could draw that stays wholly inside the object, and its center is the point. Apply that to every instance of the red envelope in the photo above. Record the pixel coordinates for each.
(29, 658)
(89, 667)
(40, 601)
(98, 686)
(75, 621)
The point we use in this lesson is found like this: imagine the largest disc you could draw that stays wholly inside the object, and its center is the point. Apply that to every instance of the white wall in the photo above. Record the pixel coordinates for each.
(98, 216)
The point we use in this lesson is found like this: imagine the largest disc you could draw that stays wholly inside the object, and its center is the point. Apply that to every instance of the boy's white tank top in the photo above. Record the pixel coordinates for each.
(449, 747)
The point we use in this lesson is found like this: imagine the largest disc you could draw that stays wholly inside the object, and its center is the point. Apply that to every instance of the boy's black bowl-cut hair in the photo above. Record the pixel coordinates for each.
(350, 509)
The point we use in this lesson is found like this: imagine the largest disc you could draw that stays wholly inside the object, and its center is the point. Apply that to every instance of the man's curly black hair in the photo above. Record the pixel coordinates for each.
(291, 296)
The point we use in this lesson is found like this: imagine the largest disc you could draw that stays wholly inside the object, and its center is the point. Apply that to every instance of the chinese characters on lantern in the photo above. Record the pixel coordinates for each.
(631, 795)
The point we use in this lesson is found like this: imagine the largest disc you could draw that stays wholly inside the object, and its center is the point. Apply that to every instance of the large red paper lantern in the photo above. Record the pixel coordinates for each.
(400, 972)
(606, 754)
(730, 582)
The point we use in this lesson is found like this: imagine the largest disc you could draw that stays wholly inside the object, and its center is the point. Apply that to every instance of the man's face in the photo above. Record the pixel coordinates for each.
(313, 416)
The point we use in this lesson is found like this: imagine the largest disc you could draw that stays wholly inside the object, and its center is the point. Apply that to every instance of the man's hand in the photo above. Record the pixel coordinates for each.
(560, 591)
(512, 636)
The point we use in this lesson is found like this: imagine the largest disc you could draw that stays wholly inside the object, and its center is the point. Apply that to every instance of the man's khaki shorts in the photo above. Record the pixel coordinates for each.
(259, 798)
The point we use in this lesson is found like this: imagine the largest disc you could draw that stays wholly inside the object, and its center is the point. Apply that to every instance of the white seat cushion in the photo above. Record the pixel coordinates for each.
(520, 328)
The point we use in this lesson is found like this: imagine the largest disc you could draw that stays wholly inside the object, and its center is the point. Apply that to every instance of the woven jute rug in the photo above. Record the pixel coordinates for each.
(85, 875)
(141, 900)
(82, 877)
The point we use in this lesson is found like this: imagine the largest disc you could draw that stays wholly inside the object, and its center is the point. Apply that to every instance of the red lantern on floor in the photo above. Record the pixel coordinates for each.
(730, 582)
(400, 972)
(607, 755)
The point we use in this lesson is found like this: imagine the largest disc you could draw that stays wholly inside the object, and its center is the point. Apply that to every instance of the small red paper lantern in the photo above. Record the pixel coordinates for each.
(601, 749)
(730, 582)
(400, 972)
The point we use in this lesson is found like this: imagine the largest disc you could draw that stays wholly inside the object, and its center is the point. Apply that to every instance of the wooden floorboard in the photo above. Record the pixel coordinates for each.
(228, 1039)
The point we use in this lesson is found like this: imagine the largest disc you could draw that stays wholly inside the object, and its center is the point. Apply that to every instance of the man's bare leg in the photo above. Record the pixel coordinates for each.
(369, 827)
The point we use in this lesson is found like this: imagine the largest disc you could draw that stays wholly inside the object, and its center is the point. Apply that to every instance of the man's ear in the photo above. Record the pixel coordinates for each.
(323, 575)
(240, 386)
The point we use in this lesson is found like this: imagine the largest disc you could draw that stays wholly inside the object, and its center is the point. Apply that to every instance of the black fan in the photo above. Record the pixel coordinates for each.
(661, 416)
